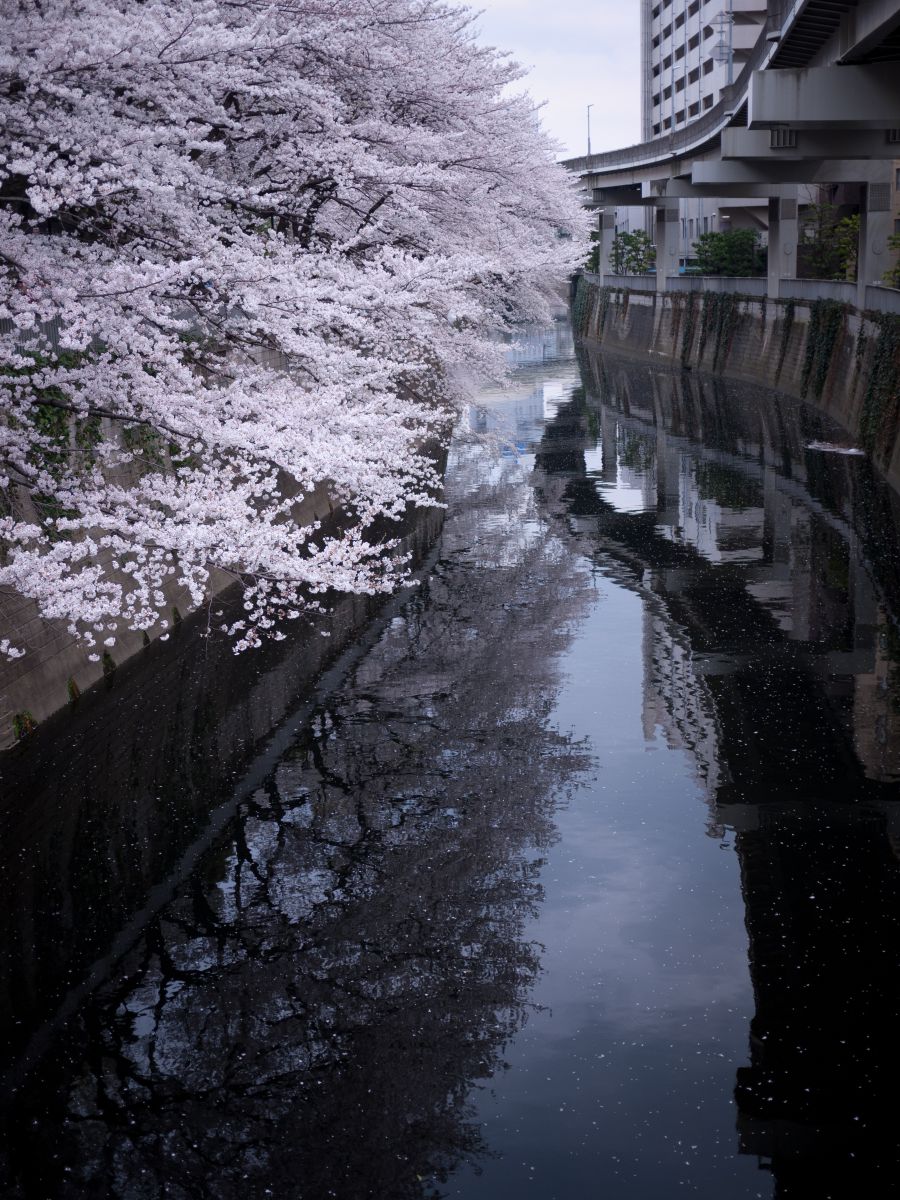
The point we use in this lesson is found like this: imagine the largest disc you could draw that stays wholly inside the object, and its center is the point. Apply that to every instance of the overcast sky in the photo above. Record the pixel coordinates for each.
(578, 53)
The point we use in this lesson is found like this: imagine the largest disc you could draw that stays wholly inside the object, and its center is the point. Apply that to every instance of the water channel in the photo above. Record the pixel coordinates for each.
(579, 877)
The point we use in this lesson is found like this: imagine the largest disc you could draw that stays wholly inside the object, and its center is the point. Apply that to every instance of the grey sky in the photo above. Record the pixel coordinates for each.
(579, 54)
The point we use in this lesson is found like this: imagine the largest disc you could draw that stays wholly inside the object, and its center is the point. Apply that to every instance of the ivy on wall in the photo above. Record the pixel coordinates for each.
(826, 323)
(719, 315)
(590, 307)
(581, 306)
(881, 402)
(690, 325)
(787, 324)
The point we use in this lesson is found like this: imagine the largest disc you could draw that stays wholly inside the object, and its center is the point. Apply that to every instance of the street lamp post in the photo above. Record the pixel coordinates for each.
(589, 107)
(723, 51)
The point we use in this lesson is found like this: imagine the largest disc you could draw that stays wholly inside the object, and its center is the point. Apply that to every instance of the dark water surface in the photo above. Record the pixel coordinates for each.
(581, 880)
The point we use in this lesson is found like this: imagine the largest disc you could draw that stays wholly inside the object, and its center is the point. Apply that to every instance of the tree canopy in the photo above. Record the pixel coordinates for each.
(244, 250)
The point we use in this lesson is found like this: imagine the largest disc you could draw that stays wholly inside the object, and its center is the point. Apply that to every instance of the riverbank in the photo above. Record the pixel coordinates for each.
(825, 352)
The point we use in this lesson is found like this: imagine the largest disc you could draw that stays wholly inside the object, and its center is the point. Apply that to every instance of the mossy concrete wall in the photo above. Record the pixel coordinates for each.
(845, 362)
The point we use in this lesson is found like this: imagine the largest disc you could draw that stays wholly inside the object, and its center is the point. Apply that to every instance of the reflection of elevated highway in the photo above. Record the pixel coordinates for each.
(770, 596)
(817, 102)
(762, 663)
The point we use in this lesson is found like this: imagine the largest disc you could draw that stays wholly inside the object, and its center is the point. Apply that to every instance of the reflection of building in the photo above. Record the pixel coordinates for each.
(745, 537)
(876, 712)
(677, 701)
(769, 652)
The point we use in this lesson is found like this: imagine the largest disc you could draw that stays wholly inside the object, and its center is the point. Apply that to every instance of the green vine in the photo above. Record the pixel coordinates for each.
(882, 395)
(581, 307)
(590, 299)
(23, 723)
(718, 319)
(787, 324)
(826, 322)
(690, 325)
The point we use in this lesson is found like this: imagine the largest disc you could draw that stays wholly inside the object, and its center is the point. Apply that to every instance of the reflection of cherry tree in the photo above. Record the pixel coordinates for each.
(312, 1010)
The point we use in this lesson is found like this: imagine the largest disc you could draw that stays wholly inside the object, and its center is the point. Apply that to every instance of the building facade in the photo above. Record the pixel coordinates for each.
(690, 51)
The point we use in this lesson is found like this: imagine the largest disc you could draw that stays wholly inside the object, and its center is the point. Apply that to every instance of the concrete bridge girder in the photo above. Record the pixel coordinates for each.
(865, 27)
(813, 170)
(748, 145)
(838, 97)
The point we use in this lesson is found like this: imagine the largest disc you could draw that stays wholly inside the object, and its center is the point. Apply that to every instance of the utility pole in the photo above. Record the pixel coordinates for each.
(589, 107)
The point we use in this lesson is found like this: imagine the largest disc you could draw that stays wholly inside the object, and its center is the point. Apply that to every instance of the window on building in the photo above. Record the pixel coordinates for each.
(897, 178)
(684, 227)
(690, 227)
(708, 66)
(706, 224)
(707, 102)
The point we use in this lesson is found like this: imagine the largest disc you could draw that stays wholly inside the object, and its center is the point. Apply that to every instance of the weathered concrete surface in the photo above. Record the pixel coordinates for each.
(843, 362)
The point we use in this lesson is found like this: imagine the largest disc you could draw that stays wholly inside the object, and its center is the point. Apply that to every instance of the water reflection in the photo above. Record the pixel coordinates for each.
(308, 1015)
(655, 615)
(770, 654)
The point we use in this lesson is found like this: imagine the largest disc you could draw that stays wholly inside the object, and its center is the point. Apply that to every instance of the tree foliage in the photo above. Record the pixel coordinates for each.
(243, 250)
(632, 253)
(829, 243)
(892, 274)
(730, 252)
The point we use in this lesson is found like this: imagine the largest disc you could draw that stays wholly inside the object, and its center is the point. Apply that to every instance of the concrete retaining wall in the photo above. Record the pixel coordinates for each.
(845, 362)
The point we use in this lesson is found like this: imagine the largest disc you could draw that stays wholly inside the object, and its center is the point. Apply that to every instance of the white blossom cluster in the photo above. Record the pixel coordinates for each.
(244, 249)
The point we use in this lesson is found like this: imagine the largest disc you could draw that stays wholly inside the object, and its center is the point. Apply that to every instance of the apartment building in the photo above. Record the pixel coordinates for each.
(690, 51)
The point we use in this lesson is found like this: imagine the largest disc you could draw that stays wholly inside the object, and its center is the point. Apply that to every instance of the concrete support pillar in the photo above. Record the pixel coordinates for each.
(667, 243)
(875, 226)
(607, 233)
(782, 255)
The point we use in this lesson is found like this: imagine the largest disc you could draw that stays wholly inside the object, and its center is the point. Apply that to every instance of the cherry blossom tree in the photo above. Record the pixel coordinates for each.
(244, 250)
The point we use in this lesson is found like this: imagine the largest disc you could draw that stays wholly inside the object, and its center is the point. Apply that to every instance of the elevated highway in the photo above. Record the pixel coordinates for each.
(817, 102)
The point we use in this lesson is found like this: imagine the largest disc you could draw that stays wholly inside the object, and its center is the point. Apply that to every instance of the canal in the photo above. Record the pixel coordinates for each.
(579, 877)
